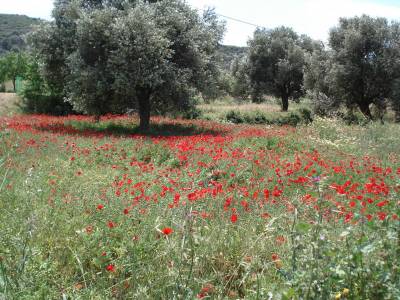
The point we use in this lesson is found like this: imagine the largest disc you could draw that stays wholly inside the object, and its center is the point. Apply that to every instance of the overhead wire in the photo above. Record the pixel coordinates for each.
(238, 20)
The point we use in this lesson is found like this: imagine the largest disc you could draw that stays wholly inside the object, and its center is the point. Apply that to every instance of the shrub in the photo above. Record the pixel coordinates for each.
(257, 117)
(323, 105)
(234, 117)
(306, 115)
(39, 97)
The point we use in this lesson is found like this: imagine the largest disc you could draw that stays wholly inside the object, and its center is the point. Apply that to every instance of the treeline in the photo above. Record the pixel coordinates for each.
(108, 56)
(358, 68)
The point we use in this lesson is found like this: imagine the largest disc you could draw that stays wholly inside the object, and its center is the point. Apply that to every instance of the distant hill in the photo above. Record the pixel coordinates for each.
(12, 31)
(229, 53)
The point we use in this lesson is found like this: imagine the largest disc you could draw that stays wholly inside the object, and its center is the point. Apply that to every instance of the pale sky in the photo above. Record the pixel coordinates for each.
(312, 17)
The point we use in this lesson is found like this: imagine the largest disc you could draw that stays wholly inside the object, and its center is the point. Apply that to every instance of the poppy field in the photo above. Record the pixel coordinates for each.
(197, 210)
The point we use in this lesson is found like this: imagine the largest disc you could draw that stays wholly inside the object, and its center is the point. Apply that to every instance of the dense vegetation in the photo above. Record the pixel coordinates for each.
(197, 209)
(113, 56)
(226, 206)
(13, 28)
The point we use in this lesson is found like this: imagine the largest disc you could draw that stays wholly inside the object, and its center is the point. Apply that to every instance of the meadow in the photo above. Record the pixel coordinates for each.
(198, 209)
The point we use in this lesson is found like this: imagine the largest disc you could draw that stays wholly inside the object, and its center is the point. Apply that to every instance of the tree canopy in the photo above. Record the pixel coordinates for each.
(362, 66)
(107, 56)
(276, 62)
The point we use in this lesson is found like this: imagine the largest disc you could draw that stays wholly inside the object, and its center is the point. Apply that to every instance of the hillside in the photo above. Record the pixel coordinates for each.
(229, 53)
(12, 30)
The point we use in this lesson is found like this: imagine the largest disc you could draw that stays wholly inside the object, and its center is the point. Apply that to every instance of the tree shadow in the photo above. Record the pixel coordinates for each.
(101, 129)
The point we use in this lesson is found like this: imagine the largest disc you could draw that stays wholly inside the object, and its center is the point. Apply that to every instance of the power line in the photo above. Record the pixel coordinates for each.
(240, 21)
(237, 20)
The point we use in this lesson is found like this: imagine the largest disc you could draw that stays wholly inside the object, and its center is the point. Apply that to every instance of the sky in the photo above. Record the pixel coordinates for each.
(311, 17)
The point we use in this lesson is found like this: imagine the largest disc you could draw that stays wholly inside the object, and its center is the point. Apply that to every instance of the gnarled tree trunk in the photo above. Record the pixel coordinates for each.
(285, 103)
(14, 80)
(364, 107)
(144, 108)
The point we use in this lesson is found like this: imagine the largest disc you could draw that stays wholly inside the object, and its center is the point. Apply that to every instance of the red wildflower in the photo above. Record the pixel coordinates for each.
(382, 203)
(381, 215)
(234, 218)
(89, 229)
(206, 290)
(349, 216)
(110, 268)
(100, 206)
(280, 239)
(266, 194)
(111, 224)
(167, 230)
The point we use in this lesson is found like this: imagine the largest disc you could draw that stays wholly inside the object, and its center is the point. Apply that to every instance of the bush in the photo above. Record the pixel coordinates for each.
(257, 117)
(234, 117)
(192, 113)
(351, 118)
(293, 119)
(306, 115)
(38, 97)
(323, 105)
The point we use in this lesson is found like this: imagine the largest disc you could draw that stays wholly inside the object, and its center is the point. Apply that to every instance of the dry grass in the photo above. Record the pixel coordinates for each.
(265, 107)
(270, 109)
(8, 103)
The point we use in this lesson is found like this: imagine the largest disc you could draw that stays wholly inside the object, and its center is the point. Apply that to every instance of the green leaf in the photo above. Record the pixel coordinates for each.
(303, 227)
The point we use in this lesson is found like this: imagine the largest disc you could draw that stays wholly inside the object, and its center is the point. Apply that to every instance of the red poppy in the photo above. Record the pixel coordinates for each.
(100, 206)
(274, 256)
(110, 268)
(167, 230)
(111, 224)
(234, 218)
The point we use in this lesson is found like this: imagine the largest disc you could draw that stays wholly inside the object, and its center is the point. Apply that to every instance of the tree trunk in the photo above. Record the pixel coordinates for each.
(364, 107)
(144, 109)
(14, 84)
(285, 103)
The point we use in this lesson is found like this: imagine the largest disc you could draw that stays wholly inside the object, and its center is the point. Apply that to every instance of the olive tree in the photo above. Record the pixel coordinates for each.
(240, 73)
(142, 58)
(364, 60)
(276, 62)
(90, 79)
(113, 55)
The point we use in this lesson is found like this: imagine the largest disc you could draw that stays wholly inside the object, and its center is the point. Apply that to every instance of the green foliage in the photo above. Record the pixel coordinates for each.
(240, 73)
(276, 63)
(228, 54)
(13, 65)
(361, 68)
(257, 117)
(12, 31)
(38, 96)
(111, 56)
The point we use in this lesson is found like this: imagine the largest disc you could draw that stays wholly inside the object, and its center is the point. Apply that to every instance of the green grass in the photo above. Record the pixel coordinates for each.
(57, 243)
(269, 112)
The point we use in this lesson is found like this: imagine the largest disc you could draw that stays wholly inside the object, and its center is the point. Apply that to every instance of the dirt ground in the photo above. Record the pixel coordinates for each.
(8, 103)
